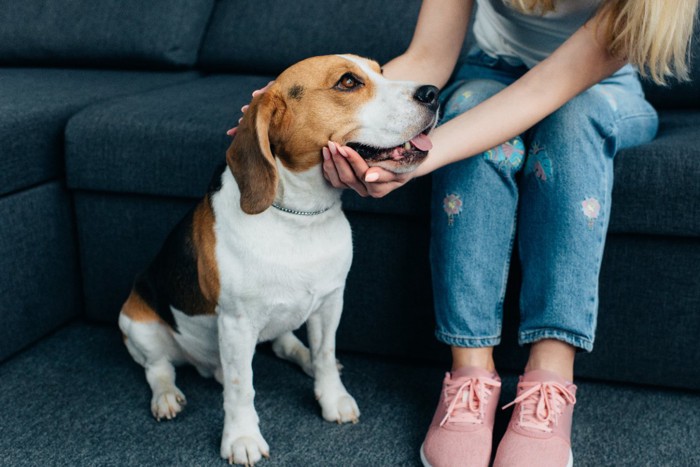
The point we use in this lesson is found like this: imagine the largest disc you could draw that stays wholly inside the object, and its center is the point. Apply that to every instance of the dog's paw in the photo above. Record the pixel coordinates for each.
(341, 409)
(167, 404)
(245, 450)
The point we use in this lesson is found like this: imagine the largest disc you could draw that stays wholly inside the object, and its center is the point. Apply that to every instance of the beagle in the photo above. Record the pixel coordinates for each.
(268, 248)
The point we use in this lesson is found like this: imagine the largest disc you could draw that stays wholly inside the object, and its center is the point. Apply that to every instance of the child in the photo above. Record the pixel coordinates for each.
(531, 124)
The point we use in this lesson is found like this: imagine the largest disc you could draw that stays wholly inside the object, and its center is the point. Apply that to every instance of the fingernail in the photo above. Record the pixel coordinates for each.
(326, 154)
(244, 108)
(333, 148)
(342, 151)
(240, 120)
(372, 177)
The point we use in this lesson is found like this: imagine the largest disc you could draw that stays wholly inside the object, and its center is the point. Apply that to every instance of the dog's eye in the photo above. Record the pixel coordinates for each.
(347, 82)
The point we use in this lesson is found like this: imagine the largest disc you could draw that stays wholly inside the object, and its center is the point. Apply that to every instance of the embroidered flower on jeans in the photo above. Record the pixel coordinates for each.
(509, 153)
(591, 209)
(452, 204)
(538, 163)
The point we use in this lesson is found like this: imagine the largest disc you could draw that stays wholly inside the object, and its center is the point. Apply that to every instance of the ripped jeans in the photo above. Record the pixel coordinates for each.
(551, 189)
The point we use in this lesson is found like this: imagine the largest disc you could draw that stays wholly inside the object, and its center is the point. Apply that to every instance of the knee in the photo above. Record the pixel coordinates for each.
(468, 95)
(588, 116)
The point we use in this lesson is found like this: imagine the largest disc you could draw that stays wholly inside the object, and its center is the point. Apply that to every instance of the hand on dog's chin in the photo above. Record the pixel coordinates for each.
(394, 168)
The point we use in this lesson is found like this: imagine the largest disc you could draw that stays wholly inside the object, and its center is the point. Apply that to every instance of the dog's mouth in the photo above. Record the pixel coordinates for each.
(402, 158)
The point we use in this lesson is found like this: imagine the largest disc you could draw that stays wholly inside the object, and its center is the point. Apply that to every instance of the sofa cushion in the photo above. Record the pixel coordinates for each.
(111, 33)
(243, 38)
(656, 187)
(35, 105)
(165, 142)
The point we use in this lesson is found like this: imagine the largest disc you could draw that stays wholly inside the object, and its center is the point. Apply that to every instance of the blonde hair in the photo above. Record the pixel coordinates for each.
(654, 35)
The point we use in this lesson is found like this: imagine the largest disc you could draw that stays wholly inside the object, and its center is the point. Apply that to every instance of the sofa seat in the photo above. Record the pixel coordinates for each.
(35, 105)
(89, 405)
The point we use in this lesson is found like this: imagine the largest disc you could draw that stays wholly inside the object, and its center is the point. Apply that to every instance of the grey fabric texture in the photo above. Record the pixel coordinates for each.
(35, 105)
(656, 187)
(39, 276)
(165, 142)
(118, 236)
(269, 35)
(88, 404)
(107, 33)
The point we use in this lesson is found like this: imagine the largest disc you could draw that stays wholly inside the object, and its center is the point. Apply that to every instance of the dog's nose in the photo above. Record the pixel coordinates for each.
(427, 95)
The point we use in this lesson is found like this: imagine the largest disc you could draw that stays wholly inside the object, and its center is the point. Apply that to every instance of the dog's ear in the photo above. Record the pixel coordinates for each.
(250, 156)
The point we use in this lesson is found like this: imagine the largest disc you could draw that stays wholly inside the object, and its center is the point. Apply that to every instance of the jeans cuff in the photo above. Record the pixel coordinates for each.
(472, 342)
(580, 342)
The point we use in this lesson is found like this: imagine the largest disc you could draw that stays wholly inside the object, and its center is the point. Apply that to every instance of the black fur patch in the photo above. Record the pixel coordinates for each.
(171, 278)
(296, 92)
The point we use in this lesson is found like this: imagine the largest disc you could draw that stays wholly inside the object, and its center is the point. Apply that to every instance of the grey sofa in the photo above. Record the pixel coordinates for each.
(112, 118)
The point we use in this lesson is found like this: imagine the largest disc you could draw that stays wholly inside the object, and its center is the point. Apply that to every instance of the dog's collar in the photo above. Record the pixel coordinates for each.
(301, 213)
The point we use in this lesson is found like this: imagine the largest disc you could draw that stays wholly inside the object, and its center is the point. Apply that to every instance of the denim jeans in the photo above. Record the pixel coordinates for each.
(551, 189)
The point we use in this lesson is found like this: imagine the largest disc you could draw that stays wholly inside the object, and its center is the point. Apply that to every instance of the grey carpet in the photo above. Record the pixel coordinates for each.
(76, 398)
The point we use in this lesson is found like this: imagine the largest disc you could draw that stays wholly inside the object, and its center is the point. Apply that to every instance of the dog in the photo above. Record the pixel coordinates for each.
(268, 248)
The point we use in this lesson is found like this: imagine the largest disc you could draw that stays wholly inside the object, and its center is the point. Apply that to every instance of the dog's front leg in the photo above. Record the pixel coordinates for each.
(337, 405)
(242, 442)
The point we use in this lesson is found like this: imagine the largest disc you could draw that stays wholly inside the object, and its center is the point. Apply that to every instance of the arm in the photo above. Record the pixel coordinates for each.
(437, 41)
(579, 63)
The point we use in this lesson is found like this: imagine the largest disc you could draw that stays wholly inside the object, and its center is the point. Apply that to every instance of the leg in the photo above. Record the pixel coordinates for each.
(473, 227)
(565, 208)
(152, 345)
(289, 347)
(242, 442)
(336, 404)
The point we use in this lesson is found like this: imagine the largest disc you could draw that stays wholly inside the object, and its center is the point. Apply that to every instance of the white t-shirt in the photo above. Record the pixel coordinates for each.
(502, 31)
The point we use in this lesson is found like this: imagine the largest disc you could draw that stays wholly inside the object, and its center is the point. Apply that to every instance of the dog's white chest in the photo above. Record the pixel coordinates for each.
(275, 268)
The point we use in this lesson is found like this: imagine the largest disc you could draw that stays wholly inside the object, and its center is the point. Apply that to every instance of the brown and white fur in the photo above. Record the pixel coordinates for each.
(238, 271)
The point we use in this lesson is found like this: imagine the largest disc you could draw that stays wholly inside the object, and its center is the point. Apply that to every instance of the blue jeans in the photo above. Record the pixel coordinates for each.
(551, 189)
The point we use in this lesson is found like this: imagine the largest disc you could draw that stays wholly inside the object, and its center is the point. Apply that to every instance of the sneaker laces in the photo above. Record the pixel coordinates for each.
(542, 404)
(467, 399)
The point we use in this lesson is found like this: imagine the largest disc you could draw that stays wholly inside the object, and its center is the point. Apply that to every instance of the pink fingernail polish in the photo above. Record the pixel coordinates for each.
(372, 177)
(326, 153)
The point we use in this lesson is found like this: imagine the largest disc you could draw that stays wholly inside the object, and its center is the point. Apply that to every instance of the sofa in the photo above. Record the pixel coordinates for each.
(112, 119)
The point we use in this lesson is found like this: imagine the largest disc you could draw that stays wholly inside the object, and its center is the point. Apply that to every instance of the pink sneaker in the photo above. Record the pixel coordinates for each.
(539, 433)
(461, 431)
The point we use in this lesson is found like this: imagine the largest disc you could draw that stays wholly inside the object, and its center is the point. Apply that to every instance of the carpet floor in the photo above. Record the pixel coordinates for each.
(76, 398)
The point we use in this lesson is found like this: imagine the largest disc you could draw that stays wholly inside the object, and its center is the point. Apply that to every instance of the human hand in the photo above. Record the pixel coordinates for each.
(232, 131)
(343, 167)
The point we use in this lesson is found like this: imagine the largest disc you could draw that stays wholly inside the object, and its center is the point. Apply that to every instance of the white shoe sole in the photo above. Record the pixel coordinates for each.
(425, 462)
(423, 459)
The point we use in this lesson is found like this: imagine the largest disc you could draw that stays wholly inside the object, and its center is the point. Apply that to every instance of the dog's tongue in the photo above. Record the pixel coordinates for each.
(422, 142)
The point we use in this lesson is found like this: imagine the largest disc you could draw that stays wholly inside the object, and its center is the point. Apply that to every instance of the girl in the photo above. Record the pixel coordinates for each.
(531, 124)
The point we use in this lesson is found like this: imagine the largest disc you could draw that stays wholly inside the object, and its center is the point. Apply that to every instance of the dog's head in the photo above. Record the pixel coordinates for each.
(340, 98)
